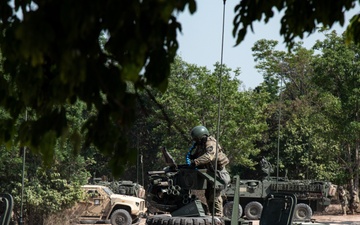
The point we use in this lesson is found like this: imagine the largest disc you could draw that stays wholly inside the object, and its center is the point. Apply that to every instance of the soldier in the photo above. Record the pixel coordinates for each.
(343, 199)
(354, 201)
(204, 156)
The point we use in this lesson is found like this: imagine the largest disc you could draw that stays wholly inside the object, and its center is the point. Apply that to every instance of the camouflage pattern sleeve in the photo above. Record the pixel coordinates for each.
(209, 153)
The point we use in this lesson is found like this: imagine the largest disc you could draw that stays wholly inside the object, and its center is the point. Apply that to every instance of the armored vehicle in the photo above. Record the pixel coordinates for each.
(170, 189)
(100, 204)
(127, 187)
(123, 187)
(311, 195)
(170, 192)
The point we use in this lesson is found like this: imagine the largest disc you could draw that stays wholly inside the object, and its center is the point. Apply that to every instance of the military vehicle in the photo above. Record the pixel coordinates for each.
(123, 187)
(100, 204)
(127, 187)
(278, 209)
(311, 195)
(170, 189)
(170, 192)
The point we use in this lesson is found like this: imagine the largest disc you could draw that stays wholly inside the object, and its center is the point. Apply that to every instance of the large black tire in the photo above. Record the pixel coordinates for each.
(120, 217)
(168, 220)
(253, 210)
(302, 212)
(228, 207)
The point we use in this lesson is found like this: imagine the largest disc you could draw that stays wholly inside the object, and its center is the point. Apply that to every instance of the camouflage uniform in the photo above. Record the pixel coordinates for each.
(354, 201)
(205, 157)
(343, 199)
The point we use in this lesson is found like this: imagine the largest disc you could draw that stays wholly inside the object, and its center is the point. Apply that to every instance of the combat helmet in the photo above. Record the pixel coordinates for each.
(198, 132)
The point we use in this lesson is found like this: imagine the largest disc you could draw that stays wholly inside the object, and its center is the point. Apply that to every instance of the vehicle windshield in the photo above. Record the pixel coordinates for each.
(108, 191)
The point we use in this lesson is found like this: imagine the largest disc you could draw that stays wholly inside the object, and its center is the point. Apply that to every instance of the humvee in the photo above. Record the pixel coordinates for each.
(100, 204)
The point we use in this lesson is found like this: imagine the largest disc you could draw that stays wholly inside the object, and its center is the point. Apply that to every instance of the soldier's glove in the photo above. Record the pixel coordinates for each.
(192, 163)
(189, 156)
(189, 159)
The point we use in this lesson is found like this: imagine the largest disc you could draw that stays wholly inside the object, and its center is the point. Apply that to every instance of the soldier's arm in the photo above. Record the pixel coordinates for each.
(209, 154)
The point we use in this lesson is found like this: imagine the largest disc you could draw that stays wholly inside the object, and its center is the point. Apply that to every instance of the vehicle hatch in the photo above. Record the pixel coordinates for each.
(278, 209)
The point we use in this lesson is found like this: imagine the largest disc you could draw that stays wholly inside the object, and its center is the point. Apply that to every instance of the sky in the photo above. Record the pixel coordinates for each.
(200, 41)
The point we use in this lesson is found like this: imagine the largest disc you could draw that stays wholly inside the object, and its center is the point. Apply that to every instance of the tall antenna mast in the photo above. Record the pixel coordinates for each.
(219, 109)
(21, 217)
(278, 141)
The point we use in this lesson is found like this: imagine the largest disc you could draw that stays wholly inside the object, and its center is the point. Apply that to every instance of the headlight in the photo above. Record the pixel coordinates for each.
(137, 204)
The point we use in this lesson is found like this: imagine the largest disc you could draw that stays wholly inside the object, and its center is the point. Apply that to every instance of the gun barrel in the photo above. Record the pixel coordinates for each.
(156, 172)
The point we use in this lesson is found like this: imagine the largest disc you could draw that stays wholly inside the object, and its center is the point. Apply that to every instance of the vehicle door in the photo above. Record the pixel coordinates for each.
(96, 201)
(278, 209)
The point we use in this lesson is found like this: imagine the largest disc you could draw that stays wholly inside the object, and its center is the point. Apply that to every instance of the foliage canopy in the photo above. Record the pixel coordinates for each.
(53, 55)
(300, 17)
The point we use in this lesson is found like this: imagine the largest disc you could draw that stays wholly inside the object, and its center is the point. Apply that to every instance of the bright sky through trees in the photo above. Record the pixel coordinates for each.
(200, 41)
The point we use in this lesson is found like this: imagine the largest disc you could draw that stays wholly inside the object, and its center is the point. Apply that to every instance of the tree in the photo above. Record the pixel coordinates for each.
(52, 57)
(296, 121)
(192, 99)
(300, 17)
(46, 190)
(337, 75)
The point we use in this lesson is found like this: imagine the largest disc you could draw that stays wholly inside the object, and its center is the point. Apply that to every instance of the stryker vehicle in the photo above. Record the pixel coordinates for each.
(100, 204)
(311, 195)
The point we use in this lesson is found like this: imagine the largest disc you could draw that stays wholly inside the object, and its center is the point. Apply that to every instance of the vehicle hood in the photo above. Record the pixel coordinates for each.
(125, 198)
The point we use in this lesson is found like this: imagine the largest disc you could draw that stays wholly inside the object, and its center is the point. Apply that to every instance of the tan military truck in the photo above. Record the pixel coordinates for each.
(100, 204)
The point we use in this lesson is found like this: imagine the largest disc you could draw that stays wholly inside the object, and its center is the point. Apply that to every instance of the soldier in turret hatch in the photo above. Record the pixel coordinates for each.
(203, 155)
(266, 166)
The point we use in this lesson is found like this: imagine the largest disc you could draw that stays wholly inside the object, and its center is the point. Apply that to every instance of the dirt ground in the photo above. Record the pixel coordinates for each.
(333, 215)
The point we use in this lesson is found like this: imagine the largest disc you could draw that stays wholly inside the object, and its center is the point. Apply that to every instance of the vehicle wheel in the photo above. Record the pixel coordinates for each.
(302, 212)
(120, 217)
(168, 220)
(228, 208)
(253, 210)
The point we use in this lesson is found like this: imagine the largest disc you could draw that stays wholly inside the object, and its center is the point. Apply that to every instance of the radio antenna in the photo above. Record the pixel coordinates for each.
(219, 110)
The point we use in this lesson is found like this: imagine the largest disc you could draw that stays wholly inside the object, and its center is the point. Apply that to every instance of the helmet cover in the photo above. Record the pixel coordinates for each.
(198, 132)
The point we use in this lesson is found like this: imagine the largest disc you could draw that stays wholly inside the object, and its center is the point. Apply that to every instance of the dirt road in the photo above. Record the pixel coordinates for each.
(338, 219)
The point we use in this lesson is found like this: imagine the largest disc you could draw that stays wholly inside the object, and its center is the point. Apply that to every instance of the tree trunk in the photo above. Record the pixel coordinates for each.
(357, 159)
(357, 164)
(350, 167)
